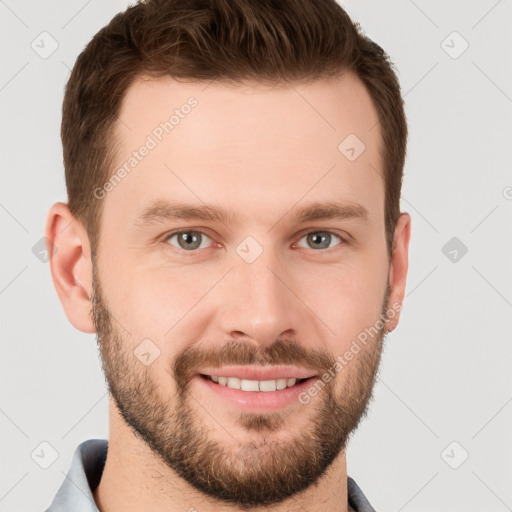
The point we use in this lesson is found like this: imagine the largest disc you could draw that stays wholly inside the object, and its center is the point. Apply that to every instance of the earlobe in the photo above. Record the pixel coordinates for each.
(71, 265)
(399, 267)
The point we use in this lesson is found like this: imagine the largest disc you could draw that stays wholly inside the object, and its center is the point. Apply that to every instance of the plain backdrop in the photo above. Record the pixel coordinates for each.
(437, 436)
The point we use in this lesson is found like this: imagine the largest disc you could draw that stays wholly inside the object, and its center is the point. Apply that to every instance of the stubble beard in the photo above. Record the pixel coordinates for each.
(262, 468)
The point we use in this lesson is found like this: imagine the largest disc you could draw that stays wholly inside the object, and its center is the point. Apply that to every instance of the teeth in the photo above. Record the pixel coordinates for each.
(253, 385)
(233, 383)
(249, 385)
(281, 383)
(268, 385)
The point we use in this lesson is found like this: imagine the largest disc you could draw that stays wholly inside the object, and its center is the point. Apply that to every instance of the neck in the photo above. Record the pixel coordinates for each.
(135, 479)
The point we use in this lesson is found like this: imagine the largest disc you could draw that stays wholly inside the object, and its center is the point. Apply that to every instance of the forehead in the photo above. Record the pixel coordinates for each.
(253, 145)
(327, 107)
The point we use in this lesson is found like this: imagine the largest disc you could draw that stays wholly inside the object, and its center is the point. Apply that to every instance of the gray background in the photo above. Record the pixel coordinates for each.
(446, 371)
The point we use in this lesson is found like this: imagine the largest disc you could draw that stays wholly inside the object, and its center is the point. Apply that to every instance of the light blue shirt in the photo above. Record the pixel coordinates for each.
(84, 475)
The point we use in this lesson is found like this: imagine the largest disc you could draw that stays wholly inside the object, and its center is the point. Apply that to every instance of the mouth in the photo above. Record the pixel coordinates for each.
(256, 389)
(264, 386)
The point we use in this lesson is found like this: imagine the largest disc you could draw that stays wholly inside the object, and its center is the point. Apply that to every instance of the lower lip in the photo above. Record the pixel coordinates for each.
(257, 400)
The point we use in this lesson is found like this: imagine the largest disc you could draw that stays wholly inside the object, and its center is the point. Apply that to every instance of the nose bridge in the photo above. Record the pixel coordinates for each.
(261, 306)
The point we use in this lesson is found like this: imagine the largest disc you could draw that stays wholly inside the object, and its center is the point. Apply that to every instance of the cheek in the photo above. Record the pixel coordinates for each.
(157, 303)
(347, 298)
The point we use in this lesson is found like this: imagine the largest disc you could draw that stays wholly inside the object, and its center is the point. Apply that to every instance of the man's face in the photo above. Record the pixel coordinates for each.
(259, 295)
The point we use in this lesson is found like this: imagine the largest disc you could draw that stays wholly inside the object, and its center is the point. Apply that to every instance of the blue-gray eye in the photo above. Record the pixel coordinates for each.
(320, 239)
(188, 240)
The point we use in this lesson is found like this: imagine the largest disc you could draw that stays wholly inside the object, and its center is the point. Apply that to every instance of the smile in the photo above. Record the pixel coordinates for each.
(254, 385)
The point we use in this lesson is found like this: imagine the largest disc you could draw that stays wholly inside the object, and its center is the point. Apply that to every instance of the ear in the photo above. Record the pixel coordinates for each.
(70, 262)
(399, 266)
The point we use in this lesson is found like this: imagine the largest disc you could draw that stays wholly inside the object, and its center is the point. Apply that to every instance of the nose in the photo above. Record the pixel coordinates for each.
(258, 304)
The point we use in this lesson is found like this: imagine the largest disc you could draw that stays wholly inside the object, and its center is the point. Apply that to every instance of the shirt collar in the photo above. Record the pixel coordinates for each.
(84, 475)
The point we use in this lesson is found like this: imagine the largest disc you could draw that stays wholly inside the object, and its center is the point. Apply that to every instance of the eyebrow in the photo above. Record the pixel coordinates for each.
(163, 210)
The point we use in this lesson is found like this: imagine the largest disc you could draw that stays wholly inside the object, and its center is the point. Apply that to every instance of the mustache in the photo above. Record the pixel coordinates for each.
(283, 351)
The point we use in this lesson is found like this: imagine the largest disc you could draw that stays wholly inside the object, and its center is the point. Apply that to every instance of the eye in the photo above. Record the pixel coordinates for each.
(321, 239)
(188, 240)
(191, 240)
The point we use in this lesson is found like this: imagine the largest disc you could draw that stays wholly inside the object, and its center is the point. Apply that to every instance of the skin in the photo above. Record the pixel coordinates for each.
(262, 152)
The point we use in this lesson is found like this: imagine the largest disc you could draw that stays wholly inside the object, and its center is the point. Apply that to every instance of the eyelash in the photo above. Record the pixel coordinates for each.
(193, 252)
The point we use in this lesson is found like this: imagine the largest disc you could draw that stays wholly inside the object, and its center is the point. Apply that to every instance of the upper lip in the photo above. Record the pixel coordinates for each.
(259, 372)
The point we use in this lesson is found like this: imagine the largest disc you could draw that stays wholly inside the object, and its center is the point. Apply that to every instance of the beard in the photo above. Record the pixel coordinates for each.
(260, 468)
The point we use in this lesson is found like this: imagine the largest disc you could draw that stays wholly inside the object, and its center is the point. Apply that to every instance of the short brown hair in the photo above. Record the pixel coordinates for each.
(265, 41)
